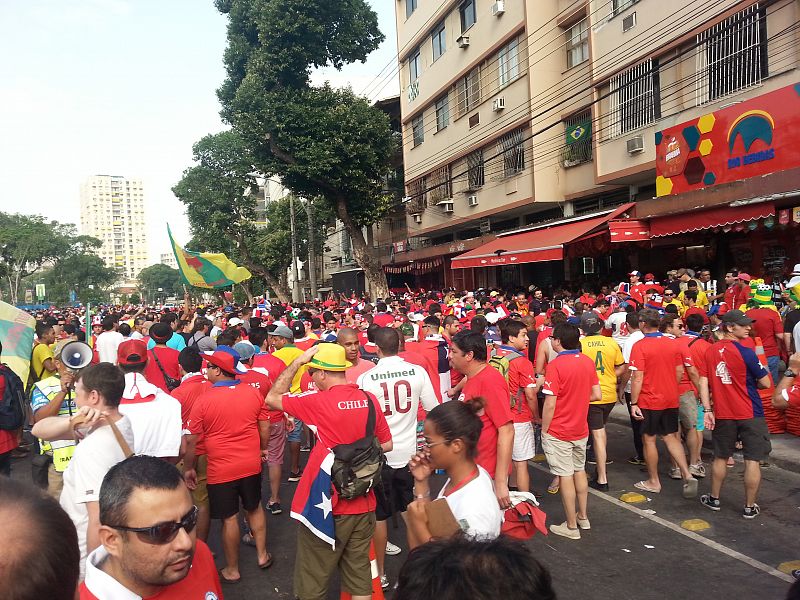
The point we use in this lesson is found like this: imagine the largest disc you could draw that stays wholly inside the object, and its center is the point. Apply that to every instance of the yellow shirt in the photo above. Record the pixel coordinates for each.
(41, 352)
(678, 304)
(287, 354)
(702, 299)
(607, 355)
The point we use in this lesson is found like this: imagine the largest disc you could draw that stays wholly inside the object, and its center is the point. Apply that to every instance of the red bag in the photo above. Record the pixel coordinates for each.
(523, 521)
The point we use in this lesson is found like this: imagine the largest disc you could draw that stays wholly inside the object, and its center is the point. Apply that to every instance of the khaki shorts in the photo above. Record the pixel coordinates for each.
(687, 413)
(316, 562)
(200, 493)
(564, 458)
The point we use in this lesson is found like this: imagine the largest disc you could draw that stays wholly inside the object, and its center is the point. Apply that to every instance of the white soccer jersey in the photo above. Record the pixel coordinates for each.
(400, 386)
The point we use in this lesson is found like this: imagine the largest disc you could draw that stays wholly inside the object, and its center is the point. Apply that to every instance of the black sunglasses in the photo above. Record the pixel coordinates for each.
(163, 533)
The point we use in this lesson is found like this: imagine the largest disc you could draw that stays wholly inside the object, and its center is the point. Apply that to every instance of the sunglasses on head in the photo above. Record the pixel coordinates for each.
(163, 533)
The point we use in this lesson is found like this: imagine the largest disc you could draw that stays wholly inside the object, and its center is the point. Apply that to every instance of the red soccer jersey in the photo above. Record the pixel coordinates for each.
(695, 346)
(570, 377)
(792, 396)
(168, 358)
(187, 393)
(733, 371)
(340, 417)
(202, 581)
(259, 379)
(383, 319)
(273, 365)
(736, 297)
(657, 356)
(490, 385)
(415, 358)
(695, 310)
(520, 376)
(305, 343)
(767, 325)
(227, 415)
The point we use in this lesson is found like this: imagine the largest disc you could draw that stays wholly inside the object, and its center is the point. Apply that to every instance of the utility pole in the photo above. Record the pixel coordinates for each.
(296, 296)
(312, 258)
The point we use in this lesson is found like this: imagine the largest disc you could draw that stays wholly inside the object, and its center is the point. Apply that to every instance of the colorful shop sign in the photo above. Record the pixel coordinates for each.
(749, 139)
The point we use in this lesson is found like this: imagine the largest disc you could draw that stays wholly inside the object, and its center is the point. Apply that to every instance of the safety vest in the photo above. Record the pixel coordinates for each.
(60, 450)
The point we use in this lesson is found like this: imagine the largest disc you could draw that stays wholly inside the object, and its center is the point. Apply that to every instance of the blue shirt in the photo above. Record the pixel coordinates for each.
(176, 342)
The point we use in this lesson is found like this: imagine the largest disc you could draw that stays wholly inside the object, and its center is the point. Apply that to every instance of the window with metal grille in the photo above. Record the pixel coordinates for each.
(513, 150)
(438, 40)
(578, 139)
(635, 98)
(418, 129)
(414, 66)
(468, 14)
(475, 170)
(618, 6)
(578, 43)
(732, 55)
(417, 191)
(411, 6)
(508, 62)
(440, 185)
(468, 90)
(442, 112)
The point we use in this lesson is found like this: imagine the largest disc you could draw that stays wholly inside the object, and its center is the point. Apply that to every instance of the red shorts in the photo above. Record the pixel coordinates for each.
(277, 442)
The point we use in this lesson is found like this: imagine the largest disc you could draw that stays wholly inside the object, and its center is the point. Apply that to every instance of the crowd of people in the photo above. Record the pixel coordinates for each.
(169, 418)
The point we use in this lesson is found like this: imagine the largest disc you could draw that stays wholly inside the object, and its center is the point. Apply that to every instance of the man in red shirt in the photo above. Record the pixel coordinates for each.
(339, 411)
(149, 546)
(435, 347)
(161, 360)
(382, 318)
(570, 384)
(657, 364)
(738, 294)
(468, 356)
(232, 418)
(768, 326)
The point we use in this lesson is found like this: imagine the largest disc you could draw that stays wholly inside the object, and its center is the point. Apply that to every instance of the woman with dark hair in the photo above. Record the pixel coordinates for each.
(451, 436)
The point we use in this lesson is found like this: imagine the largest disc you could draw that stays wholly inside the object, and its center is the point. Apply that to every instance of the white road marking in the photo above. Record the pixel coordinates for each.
(757, 564)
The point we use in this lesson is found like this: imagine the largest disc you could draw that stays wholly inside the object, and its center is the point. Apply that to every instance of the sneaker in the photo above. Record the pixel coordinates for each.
(564, 531)
(274, 508)
(384, 582)
(295, 476)
(584, 524)
(675, 473)
(796, 573)
(710, 503)
(305, 448)
(635, 460)
(249, 540)
(698, 470)
(391, 549)
(751, 512)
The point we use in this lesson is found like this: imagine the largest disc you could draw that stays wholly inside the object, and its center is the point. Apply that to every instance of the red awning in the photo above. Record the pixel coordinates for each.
(709, 219)
(629, 230)
(537, 245)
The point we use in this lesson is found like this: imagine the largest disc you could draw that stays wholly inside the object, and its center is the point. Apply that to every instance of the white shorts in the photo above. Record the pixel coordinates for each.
(524, 446)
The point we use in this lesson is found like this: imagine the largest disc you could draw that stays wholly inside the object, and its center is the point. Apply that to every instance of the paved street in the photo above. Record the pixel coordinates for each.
(632, 551)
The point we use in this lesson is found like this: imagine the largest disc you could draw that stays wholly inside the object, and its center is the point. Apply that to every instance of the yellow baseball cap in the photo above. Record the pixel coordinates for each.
(329, 357)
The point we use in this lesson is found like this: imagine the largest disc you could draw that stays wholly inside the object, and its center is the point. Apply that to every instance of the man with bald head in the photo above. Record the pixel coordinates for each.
(348, 339)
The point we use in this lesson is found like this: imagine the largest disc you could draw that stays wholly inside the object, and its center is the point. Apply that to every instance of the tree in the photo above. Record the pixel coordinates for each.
(82, 272)
(322, 142)
(160, 276)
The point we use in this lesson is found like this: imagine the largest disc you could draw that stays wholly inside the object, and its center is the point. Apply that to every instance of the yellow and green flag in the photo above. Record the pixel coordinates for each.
(16, 334)
(209, 270)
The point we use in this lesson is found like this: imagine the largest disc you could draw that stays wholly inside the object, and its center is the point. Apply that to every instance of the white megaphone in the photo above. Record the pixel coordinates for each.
(76, 355)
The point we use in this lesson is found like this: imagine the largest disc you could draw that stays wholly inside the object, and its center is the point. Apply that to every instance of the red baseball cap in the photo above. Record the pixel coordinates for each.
(132, 352)
(223, 360)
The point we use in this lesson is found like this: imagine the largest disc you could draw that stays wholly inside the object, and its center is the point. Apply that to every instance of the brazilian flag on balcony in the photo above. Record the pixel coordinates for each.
(210, 270)
(579, 132)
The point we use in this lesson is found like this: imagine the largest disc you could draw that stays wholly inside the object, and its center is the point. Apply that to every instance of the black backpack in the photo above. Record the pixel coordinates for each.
(357, 466)
(12, 405)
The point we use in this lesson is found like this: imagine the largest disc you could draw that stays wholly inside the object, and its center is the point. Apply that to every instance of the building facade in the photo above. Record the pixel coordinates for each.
(536, 136)
(113, 211)
(168, 259)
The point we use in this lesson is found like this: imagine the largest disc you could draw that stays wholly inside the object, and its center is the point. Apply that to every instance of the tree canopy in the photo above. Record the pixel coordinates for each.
(160, 276)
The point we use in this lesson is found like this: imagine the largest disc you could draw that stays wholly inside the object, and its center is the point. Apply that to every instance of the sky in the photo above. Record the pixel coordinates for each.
(123, 87)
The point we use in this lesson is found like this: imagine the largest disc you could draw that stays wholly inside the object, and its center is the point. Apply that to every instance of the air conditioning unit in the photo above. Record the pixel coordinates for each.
(417, 217)
(462, 41)
(635, 145)
(498, 104)
(629, 22)
(498, 8)
(447, 207)
(472, 200)
(406, 199)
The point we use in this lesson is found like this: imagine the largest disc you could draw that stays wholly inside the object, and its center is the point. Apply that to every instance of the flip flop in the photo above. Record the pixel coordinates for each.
(224, 579)
(553, 488)
(267, 564)
(642, 485)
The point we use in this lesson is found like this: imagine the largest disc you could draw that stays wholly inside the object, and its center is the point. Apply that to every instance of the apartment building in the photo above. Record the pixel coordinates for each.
(112, 210)
(168, 258)
(534, 134)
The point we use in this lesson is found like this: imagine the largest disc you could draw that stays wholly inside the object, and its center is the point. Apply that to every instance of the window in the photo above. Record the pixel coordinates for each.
(578, 139)
(438, 40)
(442, 113)
(508, 62)
(411, 6)
(513, 150)
(414, 65)
(468, 15)
(468, 89)
(418, 130)
(578, 43)
(617, 5)
(635, 98)
(475, 170)
(417, 191)
(732, 55)
(440, 185)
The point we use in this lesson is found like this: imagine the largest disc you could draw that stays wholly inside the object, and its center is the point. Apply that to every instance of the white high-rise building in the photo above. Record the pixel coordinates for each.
(112, 210)
(169, 260)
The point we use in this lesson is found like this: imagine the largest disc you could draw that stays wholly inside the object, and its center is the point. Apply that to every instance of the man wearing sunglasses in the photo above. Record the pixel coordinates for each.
(148, 536)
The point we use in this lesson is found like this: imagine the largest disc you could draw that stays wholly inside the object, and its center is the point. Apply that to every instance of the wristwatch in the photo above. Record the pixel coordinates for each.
(789, 373)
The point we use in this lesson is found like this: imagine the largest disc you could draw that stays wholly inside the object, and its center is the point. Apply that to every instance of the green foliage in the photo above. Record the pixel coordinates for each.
(135, 298)
(160, 276)
(78, 272)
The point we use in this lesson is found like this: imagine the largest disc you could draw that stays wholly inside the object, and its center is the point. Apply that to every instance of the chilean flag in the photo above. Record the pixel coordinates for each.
(313, 500)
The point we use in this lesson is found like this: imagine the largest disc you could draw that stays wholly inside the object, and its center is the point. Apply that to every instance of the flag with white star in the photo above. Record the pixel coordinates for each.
(313, 501)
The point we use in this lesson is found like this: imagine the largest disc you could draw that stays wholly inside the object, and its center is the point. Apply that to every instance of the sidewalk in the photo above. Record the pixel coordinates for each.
(785, 447)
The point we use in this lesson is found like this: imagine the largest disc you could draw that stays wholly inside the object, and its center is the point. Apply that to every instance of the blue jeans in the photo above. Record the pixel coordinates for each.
(296, 435)
(772, 365)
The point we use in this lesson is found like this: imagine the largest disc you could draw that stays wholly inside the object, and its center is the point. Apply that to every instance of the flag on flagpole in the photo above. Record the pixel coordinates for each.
(210, 270)
(313, 500)
(16, 333)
